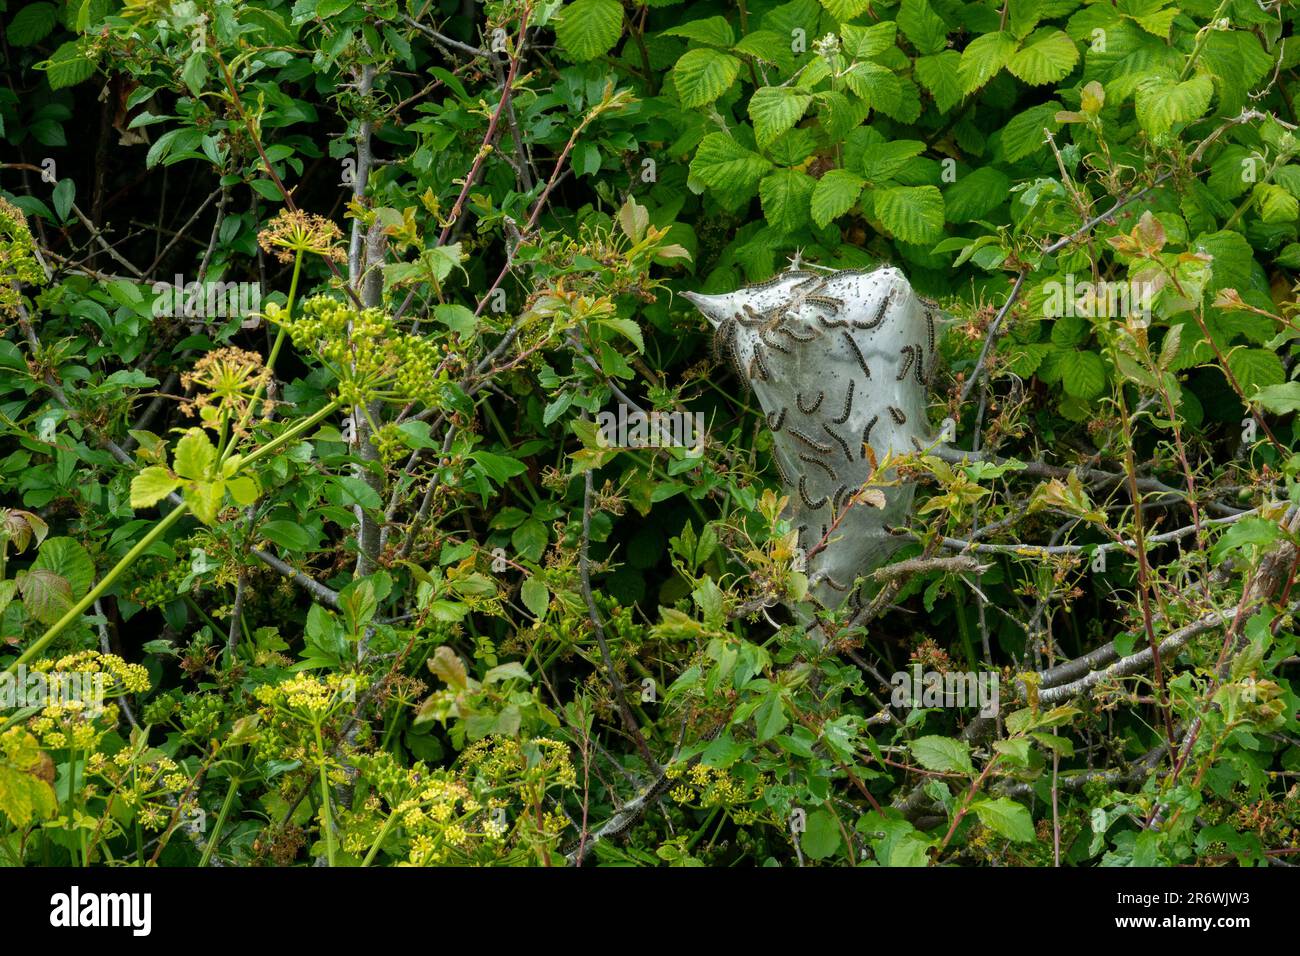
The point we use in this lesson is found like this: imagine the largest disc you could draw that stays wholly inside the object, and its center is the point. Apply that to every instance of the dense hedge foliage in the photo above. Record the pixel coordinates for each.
(308, 312)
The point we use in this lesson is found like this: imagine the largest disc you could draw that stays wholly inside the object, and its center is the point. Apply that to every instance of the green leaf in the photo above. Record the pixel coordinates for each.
(715, 31)
(1279, 399)
(922, 26)
(31, 24)
(702, 75)
(456, 317)
(943, 754)
(587, 29)
(1006, 817)
(1082, 373)
(1024, 136)
(47, 595)
(535, 596)
(530, 539)
(195, 457)
(939, 74)
(975, 194)
(1255, 368)
(866, 42)
(983, 58)
(912, 213)
(68, 66)
(499, 468)
(843, 10)
(68, 559)
(786, 196)
(1046, 57)
(774, 109)
(1275, 203)
(287, 534)
(1162, 103)
(722, 163)
(834, 195)
(151, 486)
(25, 794)
(822, 837)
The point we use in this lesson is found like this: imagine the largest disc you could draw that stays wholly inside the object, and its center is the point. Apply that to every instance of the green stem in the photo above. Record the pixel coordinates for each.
(327, 815)
(221, 821)
(143, 545)
(374, 847)
(154, 534)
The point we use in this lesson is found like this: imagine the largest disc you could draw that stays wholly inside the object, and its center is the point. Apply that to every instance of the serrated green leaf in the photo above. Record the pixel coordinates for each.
(834, 195)
(1006, 817)
(1045, 57)
(1083, 374)
(786, 197)
(722, 163)
(983, 58)
(942, 754)
(774, 109)
(912, 213)
(587, 29)
(922, 26)
(940, 75)
(703, 74)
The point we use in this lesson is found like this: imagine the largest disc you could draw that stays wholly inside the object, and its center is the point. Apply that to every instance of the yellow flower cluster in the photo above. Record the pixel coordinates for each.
(130, 678)
(311, 695)
(18, 262)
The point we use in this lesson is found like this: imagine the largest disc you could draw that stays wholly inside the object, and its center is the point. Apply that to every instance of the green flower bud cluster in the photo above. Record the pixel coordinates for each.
(367, 351)
(201, 715)
(18, 262)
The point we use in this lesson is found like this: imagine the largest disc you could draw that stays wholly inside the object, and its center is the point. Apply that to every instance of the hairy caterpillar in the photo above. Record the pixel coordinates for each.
(848, 405)
(843, 445)
(810, 442)
(885, 303)
(897, 415)
(857, 353)
(866, 433)
(803, 493)
(786, 330)
(780, 418)
(798, 400)
(908, 358)
(820, 464)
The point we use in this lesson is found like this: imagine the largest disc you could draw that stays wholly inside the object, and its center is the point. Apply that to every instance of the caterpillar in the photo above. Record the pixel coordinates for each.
(835, 584)
(848, 405)
(831, 323)
(780, 470)
(866, 433)
(842, 490)
(780, 418)
(803, 493)
(920, 365)
(726, 329)
(857, 353)
(929, 330)
(798, 400)
(908, 358)
(885, 303)
(756, 363)
(826, 302)
(753, 317)
(786, 330)
(820, 464)
(843, 445)
(811, 443)
(897, 415)
(762, 337)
